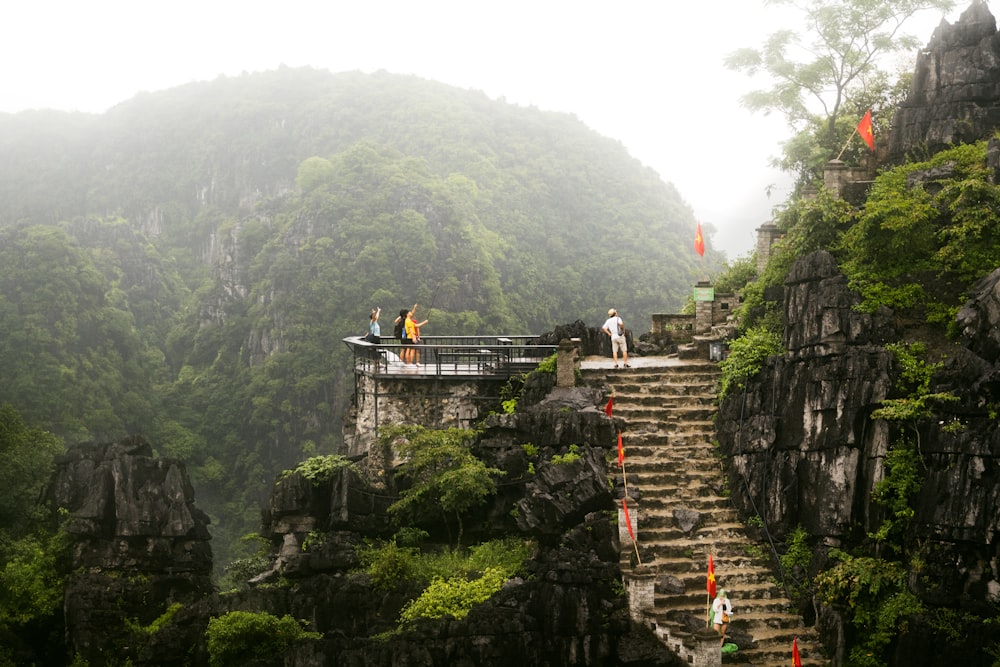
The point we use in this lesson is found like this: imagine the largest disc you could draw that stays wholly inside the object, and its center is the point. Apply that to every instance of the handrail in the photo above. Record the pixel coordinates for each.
(479, 356)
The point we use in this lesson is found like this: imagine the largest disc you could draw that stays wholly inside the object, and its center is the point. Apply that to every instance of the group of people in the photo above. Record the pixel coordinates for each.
(406, 331)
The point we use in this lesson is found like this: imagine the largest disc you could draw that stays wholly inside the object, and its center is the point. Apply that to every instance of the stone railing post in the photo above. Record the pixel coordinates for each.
(707, 650)
(767, 234)
(567, 360)
(624, 537)
(704, 305)
(640, 584)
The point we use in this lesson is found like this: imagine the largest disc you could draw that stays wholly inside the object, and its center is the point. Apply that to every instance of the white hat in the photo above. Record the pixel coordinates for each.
(611, 312)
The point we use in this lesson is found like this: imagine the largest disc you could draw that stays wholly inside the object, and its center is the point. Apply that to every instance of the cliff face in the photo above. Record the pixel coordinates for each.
(140, 546)
(139, 542)
(955, 94)
(804, 450)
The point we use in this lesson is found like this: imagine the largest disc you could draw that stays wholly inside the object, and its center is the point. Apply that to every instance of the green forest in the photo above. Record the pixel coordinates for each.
(185, 265)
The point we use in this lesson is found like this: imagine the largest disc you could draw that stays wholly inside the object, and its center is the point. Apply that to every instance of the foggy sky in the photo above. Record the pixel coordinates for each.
(648, 73)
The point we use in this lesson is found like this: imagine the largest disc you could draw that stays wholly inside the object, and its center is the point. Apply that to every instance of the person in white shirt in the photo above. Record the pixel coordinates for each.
(722, 609)
(615, 327)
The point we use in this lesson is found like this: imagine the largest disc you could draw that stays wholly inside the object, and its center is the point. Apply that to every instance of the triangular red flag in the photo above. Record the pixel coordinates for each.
(607, 408)
(865, 130)
(796, 660)
(628, 521)
(711, 577)
(699, 241)
(621, 451)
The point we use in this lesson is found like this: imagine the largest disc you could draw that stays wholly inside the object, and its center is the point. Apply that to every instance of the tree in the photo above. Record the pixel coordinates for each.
(833, 68)
(26, 461)
(848, 37)
(443, 474)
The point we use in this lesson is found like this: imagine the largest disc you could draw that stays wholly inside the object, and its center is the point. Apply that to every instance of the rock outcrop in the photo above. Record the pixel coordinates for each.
(139, 542)
(955, 94)
(141, 546)
(805, 451)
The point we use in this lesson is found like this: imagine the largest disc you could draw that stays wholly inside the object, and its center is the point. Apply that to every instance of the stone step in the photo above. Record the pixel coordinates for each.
(687, 413)
(669, 423)
(623, 405)
(667, 418)
(671, 439)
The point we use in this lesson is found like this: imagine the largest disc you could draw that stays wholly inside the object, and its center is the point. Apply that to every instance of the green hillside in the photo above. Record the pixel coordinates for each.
(185, 265)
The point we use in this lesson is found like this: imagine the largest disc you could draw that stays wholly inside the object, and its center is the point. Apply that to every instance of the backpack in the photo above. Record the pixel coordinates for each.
(398, 330)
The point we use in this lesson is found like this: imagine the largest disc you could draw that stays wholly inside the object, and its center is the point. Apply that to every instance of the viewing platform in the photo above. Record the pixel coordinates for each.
(486, 357)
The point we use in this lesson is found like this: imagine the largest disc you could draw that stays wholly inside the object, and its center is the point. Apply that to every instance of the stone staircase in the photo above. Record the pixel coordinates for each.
(682, 514)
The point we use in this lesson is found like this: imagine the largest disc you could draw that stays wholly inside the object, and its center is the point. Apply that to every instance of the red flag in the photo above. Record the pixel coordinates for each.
(621, 452)
(711, 577)
(699, 241)
(796, 660)
(628, 521)
(865, 130)
(607, 408)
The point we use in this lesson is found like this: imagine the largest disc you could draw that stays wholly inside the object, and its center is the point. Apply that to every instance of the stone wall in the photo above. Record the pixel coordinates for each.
(412, 399)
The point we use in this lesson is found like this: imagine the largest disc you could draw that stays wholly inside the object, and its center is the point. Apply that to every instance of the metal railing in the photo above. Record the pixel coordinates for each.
(470, 356)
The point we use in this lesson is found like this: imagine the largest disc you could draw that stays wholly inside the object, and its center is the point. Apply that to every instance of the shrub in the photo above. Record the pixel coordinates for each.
(455, 596)
(746, 357)
(320, 468)
(388, 564)
(239, 637)
(572, 456)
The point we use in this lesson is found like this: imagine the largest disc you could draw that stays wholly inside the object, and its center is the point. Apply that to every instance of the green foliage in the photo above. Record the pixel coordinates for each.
(210, 316)
(798, 553)
(795, 561)
(31, 580)
(529, 449)
(387, 564)
(915, 379)
(902, 480)
(26, 463)
(409, 536)
(256, 559)
(829, 64)
(746, 357)
(807, 225)
(873, 596)
(507, 554)
(454, 597)
(547, 365)
(443, 474)
(158, 624)
(571, 456)
(239, 637)
(509, 406)
(735, 276)
(918, 249)
(321, 469)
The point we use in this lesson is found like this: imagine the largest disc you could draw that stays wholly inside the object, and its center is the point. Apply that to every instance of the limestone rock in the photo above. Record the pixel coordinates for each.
(979, 318)
(140, 543)
(955, 94)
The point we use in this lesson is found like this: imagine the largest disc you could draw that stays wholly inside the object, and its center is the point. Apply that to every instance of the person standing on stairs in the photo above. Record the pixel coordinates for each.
(615, 327)
(722, 609)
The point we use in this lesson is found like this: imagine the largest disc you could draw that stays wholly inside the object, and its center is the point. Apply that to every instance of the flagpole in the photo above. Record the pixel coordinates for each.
(709, 590)
(847, 143)
(624, 477)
